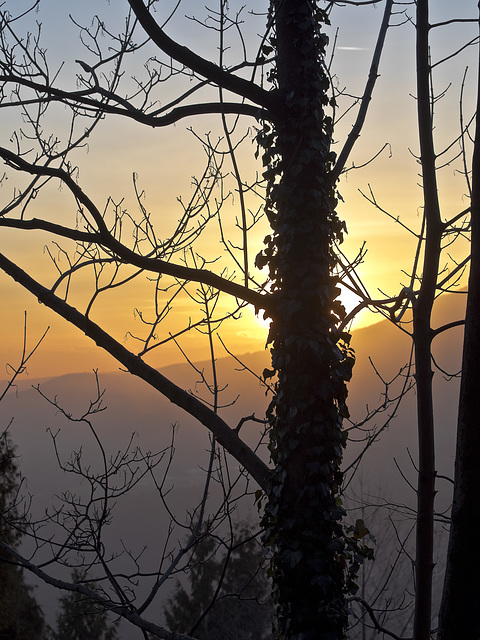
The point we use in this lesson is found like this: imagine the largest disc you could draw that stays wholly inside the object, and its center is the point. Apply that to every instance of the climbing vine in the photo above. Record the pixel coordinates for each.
(315, 559)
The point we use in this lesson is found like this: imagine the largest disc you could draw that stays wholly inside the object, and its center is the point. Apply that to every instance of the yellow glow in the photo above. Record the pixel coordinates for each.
(165, 160)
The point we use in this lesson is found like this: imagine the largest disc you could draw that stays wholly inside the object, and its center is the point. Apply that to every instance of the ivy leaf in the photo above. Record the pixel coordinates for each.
(360, 530)
(292, 558)
(261, 260)
(343, 410)
(268, 373)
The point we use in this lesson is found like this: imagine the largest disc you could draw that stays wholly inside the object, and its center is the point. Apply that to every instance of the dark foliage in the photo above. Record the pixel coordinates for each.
(20, 615)
(226, 597)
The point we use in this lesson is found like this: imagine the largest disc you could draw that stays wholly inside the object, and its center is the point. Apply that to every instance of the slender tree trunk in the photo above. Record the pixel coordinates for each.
(306, 440)
(422, 336)
(461, 592)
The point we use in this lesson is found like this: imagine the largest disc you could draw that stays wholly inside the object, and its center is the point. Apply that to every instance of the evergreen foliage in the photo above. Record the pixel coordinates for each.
(21, 617)
(79, 619)
(240, 610)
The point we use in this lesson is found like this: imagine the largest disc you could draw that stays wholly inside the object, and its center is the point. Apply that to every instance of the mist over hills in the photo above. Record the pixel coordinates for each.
(386, 348)
(140, 521)
(131, 407)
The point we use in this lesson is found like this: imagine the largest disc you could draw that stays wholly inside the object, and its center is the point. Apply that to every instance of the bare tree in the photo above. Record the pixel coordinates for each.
(429, 277)
(462, 581)
(311, 358)
(295, 133)
(281, 86)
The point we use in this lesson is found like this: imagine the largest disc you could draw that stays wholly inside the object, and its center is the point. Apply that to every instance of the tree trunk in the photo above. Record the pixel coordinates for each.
(461, 592)
(303, 514)
(422, 336)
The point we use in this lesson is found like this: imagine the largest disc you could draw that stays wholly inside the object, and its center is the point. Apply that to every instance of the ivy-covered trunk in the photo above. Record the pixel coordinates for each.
(303, 513)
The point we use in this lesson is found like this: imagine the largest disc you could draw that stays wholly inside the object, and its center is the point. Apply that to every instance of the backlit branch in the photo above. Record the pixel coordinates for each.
(226, 436)
(103, 237)
(205, 68)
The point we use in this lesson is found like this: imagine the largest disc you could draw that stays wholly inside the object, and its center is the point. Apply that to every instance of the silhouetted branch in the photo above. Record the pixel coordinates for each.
(226, 436)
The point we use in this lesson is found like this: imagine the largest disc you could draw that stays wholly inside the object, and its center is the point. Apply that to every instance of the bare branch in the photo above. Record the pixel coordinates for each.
(106, 239)
(201, 66)
(226, 436)
(367, 94)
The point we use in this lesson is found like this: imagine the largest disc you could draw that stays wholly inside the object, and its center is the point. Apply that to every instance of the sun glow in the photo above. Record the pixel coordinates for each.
(255, 327)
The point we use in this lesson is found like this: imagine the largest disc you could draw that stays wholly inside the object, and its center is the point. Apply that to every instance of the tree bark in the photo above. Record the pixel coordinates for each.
(422, 336)
(306, 440)
(461, 592)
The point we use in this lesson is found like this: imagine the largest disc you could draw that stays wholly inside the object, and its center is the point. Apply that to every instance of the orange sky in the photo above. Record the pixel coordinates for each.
(165, 161)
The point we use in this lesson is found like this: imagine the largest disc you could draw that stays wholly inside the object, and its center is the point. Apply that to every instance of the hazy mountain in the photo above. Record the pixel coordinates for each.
(140, 521)
(130, 406)
(387, 348)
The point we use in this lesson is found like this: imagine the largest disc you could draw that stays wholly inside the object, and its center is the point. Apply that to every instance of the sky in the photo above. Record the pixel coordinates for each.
(165, 162)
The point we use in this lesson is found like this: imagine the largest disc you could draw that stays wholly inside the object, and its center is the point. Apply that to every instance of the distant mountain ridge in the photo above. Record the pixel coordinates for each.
(133, 407)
